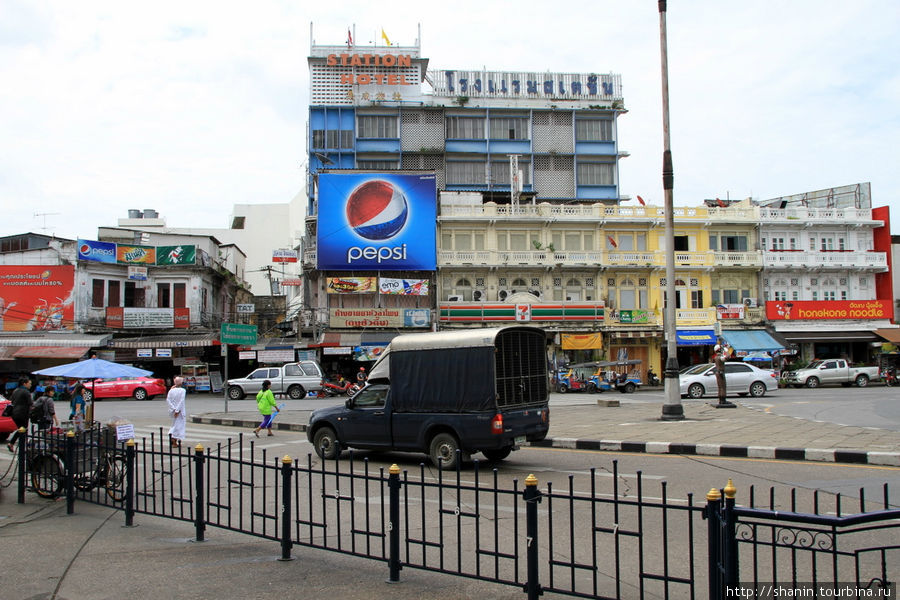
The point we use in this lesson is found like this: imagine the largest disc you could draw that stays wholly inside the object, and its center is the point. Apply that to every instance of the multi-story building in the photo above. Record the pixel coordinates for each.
(826, 277)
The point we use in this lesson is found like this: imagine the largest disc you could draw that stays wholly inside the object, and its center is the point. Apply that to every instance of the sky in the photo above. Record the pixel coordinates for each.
(191, 107)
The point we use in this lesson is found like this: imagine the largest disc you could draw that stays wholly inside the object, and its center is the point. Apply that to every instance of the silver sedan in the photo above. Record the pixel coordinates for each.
(740, 378)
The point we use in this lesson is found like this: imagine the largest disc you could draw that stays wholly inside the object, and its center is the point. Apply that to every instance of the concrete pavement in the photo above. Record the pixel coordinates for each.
(635, 426)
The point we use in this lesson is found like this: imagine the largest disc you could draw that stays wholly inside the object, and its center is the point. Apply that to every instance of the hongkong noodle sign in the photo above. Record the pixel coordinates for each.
(831, 309)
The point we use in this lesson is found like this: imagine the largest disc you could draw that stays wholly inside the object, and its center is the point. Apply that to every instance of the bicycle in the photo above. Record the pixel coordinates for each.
(48, 469)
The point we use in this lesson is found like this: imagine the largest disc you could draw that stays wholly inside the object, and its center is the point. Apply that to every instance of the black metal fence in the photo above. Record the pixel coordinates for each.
(606, 539)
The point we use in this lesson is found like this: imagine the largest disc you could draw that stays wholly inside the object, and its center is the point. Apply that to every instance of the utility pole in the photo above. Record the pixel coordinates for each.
(672, 409)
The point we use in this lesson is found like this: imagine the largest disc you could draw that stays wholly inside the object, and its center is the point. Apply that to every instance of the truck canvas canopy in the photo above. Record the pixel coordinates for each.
(467, 371)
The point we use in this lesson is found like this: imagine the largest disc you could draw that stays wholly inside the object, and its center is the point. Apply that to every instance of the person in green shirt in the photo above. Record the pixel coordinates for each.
(265, 402)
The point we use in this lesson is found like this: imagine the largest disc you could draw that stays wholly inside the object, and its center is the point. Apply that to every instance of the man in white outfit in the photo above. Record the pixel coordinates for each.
(175, 399)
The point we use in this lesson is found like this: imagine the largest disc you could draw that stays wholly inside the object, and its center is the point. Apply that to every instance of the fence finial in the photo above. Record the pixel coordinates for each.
(395, 469)
(531, 480)
(713, 494)
(286, 459)
(70, 433)
(730, 490)
(198, 447)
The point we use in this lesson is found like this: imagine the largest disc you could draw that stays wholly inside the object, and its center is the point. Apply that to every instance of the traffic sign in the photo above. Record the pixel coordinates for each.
(235, 333)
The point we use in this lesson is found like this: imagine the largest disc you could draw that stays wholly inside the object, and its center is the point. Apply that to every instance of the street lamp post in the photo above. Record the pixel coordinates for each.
(672, 409)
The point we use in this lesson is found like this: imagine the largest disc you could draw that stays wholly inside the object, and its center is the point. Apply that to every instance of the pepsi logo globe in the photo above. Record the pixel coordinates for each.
(376, 210)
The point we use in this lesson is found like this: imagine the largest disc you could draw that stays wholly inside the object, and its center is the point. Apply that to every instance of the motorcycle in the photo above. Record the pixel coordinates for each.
(342, 388)
(652, 379)
(889, 376)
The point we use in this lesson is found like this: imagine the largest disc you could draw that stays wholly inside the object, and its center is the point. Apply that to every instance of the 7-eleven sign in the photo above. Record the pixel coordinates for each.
(523, 312)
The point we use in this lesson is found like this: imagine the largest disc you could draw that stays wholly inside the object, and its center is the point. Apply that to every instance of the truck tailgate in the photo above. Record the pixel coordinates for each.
(532, 422)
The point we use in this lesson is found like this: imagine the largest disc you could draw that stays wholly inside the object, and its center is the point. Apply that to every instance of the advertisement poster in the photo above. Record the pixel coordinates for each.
(379, 317)
(176, 255)
(782, 310)
(104, 252)
(367, 352)
(730, 311)
(37, 298)
(637, 316)
(351, 285)
(380, 221)
(119, 317)
(403, 287)
(284, 255)
(135, 255)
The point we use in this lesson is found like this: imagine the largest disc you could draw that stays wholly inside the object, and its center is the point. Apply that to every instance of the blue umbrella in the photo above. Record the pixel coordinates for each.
(93, 368)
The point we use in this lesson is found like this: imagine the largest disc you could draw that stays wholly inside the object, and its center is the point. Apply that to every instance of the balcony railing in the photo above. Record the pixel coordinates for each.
(596, 212)
(803, 216)
(834, 260)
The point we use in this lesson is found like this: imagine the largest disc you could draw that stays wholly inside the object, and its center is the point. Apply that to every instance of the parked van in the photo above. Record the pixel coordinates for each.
(478, 390)
(291, 379)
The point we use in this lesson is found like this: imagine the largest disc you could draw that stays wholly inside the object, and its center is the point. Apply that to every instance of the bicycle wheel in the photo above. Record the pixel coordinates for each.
(47, 475)
(115, 477)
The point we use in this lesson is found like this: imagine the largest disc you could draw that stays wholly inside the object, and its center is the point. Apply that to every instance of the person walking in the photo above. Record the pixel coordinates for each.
(21, 402)
(76, 405)
(48, 417)
(175, 400)
(265, 402)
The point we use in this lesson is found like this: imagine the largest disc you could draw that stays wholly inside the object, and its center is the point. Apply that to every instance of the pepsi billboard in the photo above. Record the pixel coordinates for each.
(104, 252)
(381, 221)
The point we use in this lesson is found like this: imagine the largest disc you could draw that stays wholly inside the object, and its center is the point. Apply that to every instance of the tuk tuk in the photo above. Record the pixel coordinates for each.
(621, 375)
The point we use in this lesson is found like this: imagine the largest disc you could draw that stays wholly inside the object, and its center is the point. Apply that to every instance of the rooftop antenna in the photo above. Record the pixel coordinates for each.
(45, 215)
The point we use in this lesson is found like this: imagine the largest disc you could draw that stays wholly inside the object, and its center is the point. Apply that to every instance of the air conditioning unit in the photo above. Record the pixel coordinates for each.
(478, 295)
(750, 302)
(454, 298)
(502, 295)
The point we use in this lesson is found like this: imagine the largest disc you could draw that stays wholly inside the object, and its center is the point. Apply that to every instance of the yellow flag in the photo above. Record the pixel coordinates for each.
(385, 37)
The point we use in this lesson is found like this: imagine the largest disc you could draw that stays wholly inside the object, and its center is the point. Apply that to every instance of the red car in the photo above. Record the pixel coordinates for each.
(7, 426)
(140, 388)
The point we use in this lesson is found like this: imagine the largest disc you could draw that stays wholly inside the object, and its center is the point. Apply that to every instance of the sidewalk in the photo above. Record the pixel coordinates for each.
(705, 430)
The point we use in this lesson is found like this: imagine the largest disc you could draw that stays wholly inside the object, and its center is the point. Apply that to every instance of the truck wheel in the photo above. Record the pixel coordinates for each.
(443, 451)
(757, 389)
(862, 380)
(295, 392)
(326, 444)
(497, 454)
(812, 382)
(236, 393)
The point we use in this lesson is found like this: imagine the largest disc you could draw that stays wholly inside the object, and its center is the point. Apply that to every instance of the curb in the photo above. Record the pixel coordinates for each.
(824, 455)
(832, 455)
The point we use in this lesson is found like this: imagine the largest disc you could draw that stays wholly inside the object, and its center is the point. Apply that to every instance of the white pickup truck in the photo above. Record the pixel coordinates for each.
(831, 370)
(293, 380)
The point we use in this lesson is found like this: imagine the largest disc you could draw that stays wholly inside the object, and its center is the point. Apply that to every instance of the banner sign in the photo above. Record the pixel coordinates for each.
(36, 298)
(581, 341)
(176, 255)
(284, 255)
(144, 352)
(730, 311)
(291, 282)
(380, 221)
(137, 273)
(104, 252)
(367, 352)
(247, 355)
(504, 84)
(780, 310)
(403, 287)
(637, 316)
(164, 353)
(118, 317)
(131, 255)
(351, 285)
(379, 317)
(275, 356)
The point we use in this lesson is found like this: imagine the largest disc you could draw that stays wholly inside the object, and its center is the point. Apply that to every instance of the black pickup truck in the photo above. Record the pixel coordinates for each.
(476, 390)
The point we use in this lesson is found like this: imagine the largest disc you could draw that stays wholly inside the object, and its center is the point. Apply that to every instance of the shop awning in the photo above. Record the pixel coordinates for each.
(62, 339)
(167, 341)
(830, 336)
(51, 352)
(696, 337)
(750, 340)
(635, 334)
(6, 352)
(892, 335)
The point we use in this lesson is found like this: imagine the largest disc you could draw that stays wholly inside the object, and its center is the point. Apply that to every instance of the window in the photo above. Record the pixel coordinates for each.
(734, 243)
(731, 297)
(292, 370)
(318, 139)
(163, 297)
(780, 296)
(465, 128)
(377, 126)
(309, 369)
(509, 128)
(134, 295)
(114, 293)
(794, 245)
(500, 172)
(829, 295)
(342, 138)
(98, 287)
(777, 243)
(827, 244)
(465, 172)
(378, 165)
(596, 174)
(593, 130)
